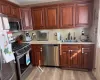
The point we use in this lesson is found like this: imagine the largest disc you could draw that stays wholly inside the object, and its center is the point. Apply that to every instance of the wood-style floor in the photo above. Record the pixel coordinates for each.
(59, 74)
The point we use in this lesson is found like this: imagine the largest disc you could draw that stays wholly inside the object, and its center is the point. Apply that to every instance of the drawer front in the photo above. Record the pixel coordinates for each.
(36, 47)
(70, 47)
(87, 48)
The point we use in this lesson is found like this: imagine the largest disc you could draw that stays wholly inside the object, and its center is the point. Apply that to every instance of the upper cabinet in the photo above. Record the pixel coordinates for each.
(52, 17)
(9, 9)
(15, 12)
(83, 15)
(26, 18)
(67, 15)
(38, 18)
(5, 8)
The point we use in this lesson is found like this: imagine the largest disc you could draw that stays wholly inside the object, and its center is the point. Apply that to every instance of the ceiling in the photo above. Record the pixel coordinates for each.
(27, 2)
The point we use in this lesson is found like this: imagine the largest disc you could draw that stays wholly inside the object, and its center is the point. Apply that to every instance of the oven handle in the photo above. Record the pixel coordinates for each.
(23, 54)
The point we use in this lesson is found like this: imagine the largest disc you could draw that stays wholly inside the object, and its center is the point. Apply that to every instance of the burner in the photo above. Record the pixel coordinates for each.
(16, 46)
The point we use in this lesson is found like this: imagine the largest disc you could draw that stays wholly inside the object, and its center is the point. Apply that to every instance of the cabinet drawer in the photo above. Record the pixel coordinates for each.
(70, 47)
(86, 50)
(36, 47)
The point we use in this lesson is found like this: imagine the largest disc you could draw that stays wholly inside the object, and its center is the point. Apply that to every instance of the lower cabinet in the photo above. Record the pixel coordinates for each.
(37, 59)
(87, 56)
(71, 56)
(76, 56)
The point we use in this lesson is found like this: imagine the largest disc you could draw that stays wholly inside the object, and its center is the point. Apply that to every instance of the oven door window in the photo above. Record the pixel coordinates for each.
(27, 59)
(14, 26)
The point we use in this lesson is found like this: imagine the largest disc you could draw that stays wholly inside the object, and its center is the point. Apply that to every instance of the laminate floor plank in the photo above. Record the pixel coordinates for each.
(59, 74)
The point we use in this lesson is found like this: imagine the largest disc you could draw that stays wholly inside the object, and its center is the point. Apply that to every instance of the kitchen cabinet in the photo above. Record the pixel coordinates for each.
(76, 56)
(38, 18)
(66, 15)
(26, 18)
(37, 58)
(15, 12)
(83, 15)
(70, 56)
(5, 8)
(87, 56)
(52, 17)
(9, 9)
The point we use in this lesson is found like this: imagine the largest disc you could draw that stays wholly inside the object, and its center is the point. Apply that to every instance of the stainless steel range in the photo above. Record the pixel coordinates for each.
(23, 59)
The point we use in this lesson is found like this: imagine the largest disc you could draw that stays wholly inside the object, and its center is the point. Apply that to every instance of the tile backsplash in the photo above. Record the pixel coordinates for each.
(64, 32)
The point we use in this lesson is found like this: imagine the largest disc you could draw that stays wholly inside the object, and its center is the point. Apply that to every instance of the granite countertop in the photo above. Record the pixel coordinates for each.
(57, 42)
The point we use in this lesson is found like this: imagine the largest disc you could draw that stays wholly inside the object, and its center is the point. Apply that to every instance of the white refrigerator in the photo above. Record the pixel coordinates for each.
(6, 54)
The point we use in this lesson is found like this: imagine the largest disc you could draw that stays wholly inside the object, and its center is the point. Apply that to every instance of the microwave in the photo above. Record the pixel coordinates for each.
(15, 24)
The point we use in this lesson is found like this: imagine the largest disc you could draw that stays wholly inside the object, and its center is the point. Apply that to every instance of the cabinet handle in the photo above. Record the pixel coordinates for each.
(82, 50)
(60, 50)
(41, 48)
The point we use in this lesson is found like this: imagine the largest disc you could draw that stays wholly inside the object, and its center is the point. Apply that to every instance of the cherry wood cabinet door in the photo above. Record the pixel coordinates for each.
(67, 16)
(87, 56)
(15, 12)
(0, 7)
(26, 18)
(38, 18)
(83, 15)
(65, 59)
(52, 17)
(70, 56)
(5, 8)
(75, 58)
(37, 57)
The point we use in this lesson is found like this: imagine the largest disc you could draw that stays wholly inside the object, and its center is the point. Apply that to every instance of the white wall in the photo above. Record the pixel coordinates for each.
(14, 1)
(96, 71)
(27, 2)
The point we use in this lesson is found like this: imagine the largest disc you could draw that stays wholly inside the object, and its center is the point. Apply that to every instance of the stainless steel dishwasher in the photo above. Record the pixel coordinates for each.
(51, 55)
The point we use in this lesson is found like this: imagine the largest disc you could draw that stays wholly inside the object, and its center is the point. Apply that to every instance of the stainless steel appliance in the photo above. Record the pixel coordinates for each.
(7, 70)
(42, 35)
(23, 59)
(15, 24)
(51, 55)
(7, 65)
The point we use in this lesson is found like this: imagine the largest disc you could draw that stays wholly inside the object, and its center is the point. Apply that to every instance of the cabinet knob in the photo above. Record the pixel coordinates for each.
(71, 50)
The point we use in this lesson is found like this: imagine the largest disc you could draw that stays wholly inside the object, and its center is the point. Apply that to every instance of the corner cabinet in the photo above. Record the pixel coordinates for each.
(76, 56)
(38, 18)
(67, 15)
(83, 14)
(52, 17)
(26, 18)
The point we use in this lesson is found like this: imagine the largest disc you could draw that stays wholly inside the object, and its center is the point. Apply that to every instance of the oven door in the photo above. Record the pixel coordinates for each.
(24, 64)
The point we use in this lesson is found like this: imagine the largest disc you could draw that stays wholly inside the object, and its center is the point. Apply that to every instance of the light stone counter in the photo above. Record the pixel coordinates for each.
(57, 42)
